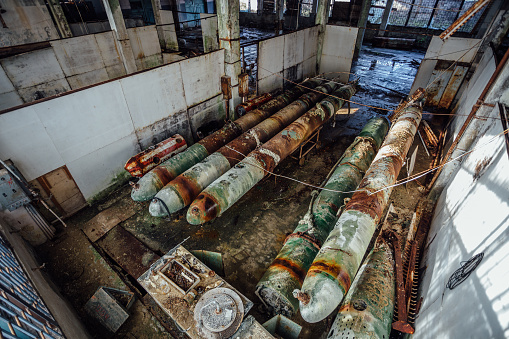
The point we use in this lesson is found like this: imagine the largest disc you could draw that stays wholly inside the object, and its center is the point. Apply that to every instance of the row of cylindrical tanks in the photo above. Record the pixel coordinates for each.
(319, 265)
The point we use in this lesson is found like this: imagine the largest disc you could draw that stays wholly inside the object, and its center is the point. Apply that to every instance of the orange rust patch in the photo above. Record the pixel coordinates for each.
(334, 270)
(187, 189)
(163, 174)
(295, 271)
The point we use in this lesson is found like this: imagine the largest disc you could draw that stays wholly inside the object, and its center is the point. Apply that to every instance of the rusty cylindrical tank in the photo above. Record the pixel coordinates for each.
(331, 273)
(287, 271)
(232, 185)
(147, 187)
(182, 190)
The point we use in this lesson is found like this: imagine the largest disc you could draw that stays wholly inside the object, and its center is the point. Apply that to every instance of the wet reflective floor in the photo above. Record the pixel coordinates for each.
(248, 235)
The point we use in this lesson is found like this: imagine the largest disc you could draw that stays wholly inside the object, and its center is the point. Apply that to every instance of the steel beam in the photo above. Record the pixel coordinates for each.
(181, 191)
(331, 273)
(232, 185)
(287, 271)
(153, 181)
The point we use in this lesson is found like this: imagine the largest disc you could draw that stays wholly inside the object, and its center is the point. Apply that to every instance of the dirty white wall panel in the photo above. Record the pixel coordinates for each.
(37, 71)
(338, 49)
(93, 119)
(310, 38)
(209, 32)
(452, 49)
(101, 168)
(270, 64)
(471, 217)
(110, 55)
(94, 131)
(27, 22)
(206, 112)
(202, 77)
(476, 85)
(460, 49)
(80, 60)
(25, 141)
(8, 95)
(146, 47)
(154, 95)
(293, 56)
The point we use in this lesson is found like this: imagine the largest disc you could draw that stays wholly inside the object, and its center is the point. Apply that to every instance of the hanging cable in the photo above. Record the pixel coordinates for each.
(462, 273)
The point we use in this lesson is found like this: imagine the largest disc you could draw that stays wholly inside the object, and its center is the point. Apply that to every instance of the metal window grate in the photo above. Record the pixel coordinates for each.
(22, 312)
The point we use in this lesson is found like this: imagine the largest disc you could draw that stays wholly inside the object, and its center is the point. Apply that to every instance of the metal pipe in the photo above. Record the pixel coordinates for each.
(335, 266)
(232, 185)
(368, 307)
(182, 190)
(148, 186)
(287, 271)
(249, 105)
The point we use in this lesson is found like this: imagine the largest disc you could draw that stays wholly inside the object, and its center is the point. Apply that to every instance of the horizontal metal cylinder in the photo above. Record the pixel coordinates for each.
(332, 271)
(181, 191)
(249, 105)
(148, 186)
(367, 310)
(288, 270)
(231, 186)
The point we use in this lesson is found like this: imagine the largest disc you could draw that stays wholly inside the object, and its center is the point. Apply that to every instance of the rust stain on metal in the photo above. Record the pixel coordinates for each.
(207, 204)
(186, 188)
(163, 174)
(295, 270)
(252, 104)
(226, 85)
(371, 205)
(334, 270)
(243, 85)
(143, 162)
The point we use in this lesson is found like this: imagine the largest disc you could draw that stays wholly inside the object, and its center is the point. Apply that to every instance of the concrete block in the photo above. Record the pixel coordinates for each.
(270, 57)
(202, 77)
(293, 53)
(27, 22)
(89, 78)
(154, 95)
(338, 48)
(78, 55)
(44, 90)
(270, 83)
(310, 38)
(32, 68)
(8, 95)
(145, 44)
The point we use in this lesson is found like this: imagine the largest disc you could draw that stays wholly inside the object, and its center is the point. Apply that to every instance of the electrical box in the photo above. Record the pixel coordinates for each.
(12, 196)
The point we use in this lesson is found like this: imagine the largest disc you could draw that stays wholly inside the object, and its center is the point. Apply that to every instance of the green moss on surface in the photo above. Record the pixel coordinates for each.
(118, 181)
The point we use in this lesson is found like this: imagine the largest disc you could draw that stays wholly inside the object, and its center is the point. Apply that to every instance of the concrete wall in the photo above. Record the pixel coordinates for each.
(27, 22)
(291, 56)
(73, 63)
(471, 217)
(94, 131)
(337, 52)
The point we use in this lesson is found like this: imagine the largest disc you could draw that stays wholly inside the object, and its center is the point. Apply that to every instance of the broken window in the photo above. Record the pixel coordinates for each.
(250, 6)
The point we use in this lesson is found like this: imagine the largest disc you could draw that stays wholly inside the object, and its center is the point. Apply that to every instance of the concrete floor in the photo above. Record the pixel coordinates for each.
(250, 234)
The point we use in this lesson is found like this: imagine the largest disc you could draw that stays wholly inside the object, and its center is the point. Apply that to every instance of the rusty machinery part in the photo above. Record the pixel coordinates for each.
(218, 313)
(143, 162)
(231, 186)
(153, 181)
(333, 269)
(287, 271)
(182, 190)
(366, 311)
(249, 105)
